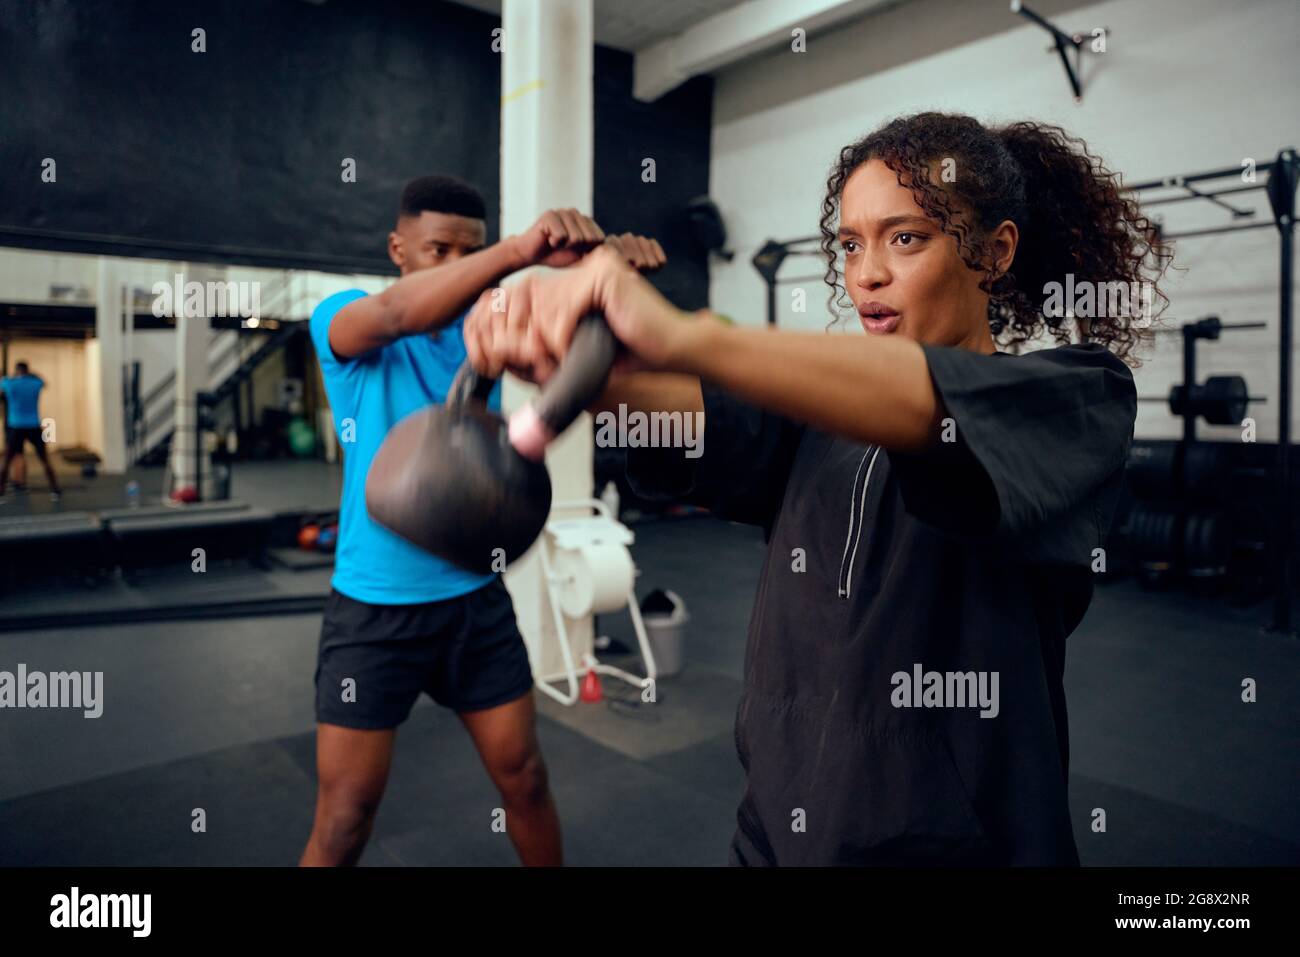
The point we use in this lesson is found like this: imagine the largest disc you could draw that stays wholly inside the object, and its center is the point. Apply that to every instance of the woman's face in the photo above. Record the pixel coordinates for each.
(903, 272)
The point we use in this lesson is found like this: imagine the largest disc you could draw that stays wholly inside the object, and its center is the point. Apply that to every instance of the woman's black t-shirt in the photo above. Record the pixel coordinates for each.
(903, 697)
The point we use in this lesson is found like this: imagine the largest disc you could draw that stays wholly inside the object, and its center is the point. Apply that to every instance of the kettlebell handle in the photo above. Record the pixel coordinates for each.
(576, 384)
(468, 386)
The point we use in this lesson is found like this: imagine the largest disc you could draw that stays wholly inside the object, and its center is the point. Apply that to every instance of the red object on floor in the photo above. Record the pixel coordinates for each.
(591, 688)
(307, 537)
(186, 494)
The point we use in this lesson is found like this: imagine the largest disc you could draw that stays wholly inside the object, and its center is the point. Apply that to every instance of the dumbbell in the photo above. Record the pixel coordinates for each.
(1220, 400)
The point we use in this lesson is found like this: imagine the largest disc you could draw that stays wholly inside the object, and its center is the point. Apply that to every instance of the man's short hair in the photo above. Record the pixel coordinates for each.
(21, 366)
(442, 194)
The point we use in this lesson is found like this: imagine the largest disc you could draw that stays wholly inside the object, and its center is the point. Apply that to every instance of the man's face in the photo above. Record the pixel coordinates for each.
(432, 239)
(901, 270)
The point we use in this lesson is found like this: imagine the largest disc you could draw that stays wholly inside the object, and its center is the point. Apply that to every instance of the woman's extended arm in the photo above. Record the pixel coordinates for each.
(873, 389)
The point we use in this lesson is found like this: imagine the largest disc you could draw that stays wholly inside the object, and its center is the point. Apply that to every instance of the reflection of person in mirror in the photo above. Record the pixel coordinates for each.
(22, 394)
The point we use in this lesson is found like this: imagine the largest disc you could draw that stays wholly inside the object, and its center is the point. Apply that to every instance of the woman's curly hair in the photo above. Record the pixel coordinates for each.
(1072, 214)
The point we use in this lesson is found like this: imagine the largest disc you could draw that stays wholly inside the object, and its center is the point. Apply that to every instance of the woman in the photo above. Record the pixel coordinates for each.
(935, 507)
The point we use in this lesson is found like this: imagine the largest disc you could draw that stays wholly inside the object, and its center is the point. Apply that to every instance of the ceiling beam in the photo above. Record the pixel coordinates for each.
(733, 35)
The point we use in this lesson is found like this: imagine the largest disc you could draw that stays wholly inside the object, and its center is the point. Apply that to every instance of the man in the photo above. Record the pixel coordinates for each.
(400, 621)
(22, 393)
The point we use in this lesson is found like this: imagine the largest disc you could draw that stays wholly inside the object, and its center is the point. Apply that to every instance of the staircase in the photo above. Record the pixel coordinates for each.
(233, 358)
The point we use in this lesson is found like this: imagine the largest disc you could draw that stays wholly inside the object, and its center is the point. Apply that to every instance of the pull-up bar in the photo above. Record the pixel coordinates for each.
(1191, 193)
(1063, 42)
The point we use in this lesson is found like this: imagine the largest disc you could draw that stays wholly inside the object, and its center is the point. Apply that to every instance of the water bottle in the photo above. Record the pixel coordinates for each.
(132, 494)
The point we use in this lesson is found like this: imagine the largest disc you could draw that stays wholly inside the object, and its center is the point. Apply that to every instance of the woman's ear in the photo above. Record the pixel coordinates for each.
(1002, 246)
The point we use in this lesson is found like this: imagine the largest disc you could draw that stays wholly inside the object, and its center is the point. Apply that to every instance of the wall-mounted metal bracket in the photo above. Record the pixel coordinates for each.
(1063, 43)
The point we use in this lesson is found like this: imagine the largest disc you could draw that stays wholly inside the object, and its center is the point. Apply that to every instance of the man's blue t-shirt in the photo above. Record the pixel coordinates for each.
(368, 396)
(22, 397)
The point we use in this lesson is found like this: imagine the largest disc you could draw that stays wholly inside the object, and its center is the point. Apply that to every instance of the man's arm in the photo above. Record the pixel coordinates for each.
(429, 299)
(424, 301)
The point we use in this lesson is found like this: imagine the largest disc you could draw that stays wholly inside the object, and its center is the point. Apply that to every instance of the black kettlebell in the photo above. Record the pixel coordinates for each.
(450, 479)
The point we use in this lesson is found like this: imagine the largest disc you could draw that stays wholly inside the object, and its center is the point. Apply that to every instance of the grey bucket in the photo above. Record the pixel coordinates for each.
(665, 617)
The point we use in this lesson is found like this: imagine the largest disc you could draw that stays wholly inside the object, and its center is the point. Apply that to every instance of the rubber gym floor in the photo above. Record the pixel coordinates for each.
(217, 714)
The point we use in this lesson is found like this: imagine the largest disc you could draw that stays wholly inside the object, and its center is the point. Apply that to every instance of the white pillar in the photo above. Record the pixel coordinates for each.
(109, 427)
(546, 161)
(193, 334)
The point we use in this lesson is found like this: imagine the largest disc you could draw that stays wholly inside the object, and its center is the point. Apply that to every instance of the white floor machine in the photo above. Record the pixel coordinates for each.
(588, 571)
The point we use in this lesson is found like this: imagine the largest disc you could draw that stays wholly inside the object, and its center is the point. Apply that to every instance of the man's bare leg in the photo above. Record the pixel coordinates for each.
(352, 766)
(506, 738)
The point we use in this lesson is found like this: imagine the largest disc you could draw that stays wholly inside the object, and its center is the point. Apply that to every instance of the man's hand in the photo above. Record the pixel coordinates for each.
(560, 237)
(642, 253)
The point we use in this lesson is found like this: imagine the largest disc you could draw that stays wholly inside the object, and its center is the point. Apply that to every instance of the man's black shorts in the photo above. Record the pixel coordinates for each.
(15, 436)
(465, 652)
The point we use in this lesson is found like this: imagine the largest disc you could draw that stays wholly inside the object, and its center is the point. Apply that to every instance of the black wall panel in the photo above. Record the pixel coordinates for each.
(234, 155)
(675, 132)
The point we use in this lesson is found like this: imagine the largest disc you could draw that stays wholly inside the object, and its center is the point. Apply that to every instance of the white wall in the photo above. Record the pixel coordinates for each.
(1185, 86)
